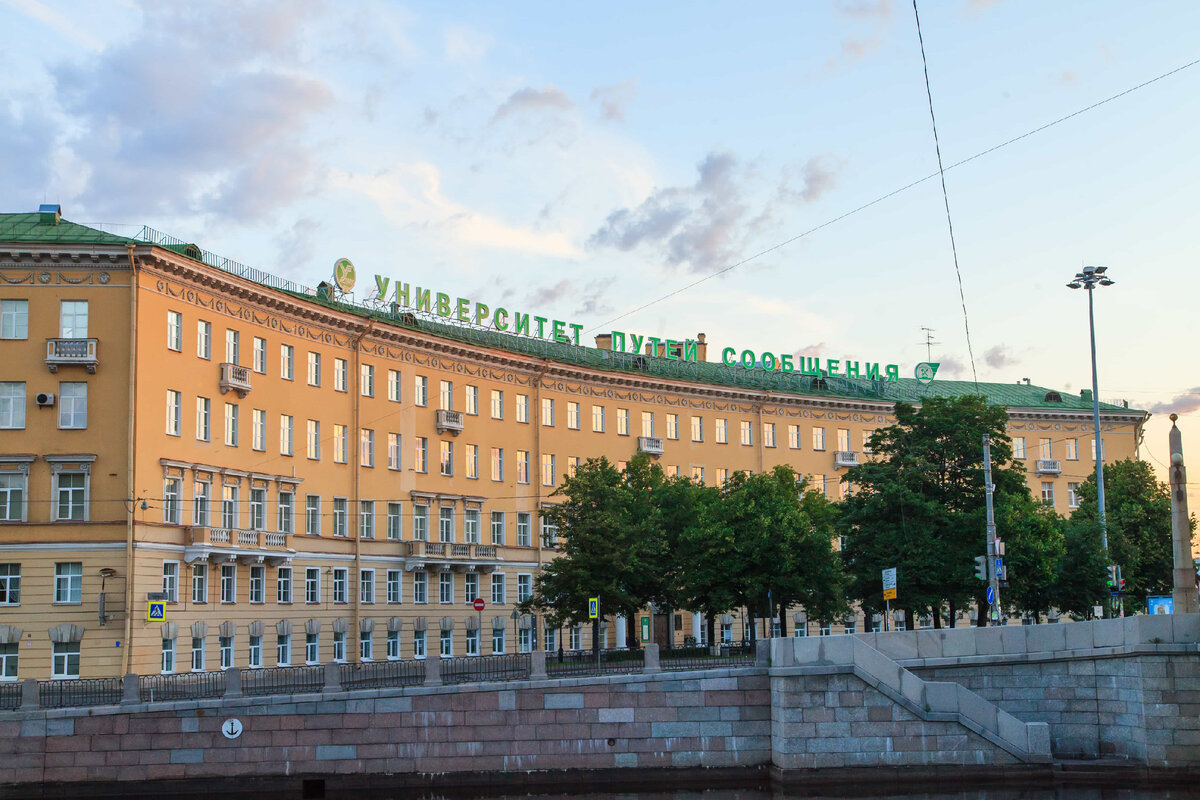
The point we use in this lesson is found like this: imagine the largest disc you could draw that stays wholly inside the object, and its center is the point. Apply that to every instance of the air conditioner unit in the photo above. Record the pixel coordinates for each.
(44, 398)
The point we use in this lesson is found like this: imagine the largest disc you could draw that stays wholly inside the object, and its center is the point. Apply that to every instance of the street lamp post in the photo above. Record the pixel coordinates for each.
(1088, 279)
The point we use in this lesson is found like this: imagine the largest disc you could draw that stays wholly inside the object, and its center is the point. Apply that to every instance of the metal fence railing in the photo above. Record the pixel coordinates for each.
(79, 692)
(283, 680)
(476, 669)
(184, 686)
(382, 674)
(583, 662)
(701, 657)
(10, 696)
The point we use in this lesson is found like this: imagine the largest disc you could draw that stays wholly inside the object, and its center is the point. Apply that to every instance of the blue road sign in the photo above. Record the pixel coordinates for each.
(991, 595)
(156, 611)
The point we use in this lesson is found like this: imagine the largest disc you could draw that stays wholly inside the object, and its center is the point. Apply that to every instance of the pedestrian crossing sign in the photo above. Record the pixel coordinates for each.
(593, 607)
(156, 611)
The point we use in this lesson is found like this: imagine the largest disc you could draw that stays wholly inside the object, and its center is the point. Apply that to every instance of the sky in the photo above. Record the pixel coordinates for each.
(588, 162)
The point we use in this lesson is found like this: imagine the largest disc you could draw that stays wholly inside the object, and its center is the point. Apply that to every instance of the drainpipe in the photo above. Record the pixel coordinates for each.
(130, 446)
(356, 444)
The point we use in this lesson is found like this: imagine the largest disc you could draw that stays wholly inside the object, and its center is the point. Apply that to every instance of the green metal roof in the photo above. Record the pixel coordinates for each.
(35, 228)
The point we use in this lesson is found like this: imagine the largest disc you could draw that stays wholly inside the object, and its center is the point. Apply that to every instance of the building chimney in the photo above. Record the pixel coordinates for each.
(701, 348)
(604, 341)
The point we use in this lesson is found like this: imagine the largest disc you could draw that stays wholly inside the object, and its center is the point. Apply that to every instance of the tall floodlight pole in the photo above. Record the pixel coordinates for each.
(1088, 279)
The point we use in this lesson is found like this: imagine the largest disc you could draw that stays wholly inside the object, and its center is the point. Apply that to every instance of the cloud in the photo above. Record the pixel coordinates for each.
(466, 45)
(864, 8)
(999, 357)
(295, 246)
(1184, 403)
(614, 99)
(952, 367)
(817, 176)
(856, 47)
(1068, 77)
(810, 351)
(57, 22)
(529, 99)
(590, 295)
(549, 294)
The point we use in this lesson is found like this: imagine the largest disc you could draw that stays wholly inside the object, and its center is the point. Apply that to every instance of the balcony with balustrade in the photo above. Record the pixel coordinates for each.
(235, 544)
(650, 444)
(235, 379)
(449, 421)
(455, 556)
(72, 353)
(843, 459)
(1049, 466)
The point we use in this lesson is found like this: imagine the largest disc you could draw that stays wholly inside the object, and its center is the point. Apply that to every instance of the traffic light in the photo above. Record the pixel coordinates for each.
(1120, 580)
(981, 564)
(1112, 577)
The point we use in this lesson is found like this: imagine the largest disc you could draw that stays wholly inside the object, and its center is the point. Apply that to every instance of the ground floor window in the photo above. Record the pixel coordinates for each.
(497, 641)
(8, 661)
(197, 654)
(576, 638)
(446, 644)
(226, 645)
(168, 656)
(366, 646)
(526, 640)
(339, 646)
(255, 659)
(727, 633)
(65, 660)
(473, 643)
(393, 645)
(419, 644)
(312, 648)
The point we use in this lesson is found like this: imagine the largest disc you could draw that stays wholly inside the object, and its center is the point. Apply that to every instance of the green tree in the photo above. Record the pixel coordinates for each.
(1035, 551)
(1081, 582)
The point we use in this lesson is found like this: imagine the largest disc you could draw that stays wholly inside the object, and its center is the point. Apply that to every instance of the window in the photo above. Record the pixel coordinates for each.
(1045, 448)
(341, 585)
(65, 660)
(314, 439)
(174, 330)
(548, 412)
(497, 527)
(168, 656)
(524, 529)
(550, 639)
(597, 419)
(258, 509)
(1047, 493)
(866, 441)
(283, 649)
(258, 429)
(497, 404)
(445, 524)
(72, 405)
(233, 350)
(394, 444)
(228, 583)
(420, 587)
(312, 648)
(446, 644)
(287, 362)
(283, 585)
(672, 426)
(472, 401)
(170, 581)
(1072, 449)
(622, 421)
(68, 582)
(197, 654)
(12, 405)
(473, 642)
(420, 390)
(497, 589)
(393, 521)
(1072, 495)
(471, 526)
(722, 476)
(470, 587)
(10, 584)
(254, 661)
(446, 457)
(260, 355)
(420, 523)
(698, 474)
(366, 380)
(446, 395)
(341, 512)
(768, 434)
(524, 587)
(1094, 448)
(747, 429)
(225, 645)
(697, 429)
(71, 493)
(445, 587)
(421, 455)
(395, 585)
(341, 443)
(522, 466)
(172, 489)
(722, 431)
(498, 463)
(366, 519)
(366, 447)
(522, 408)
(73, 319)
(394, 391)
(314, 369)
(549, 533)
(576, 640)
(525, 640)
(366, 645)
(818, 438)
(497, 641)
(339, 647)
(14, 319)
(285, 504)
(418, 644)
(312, 584)
(229, 507)
(647, 423)
(12, 496)
(366, 586)
(548, 472)
(794, 437)
(572, 466)
(204, 339)
(231, 424)
(312, 514)
(258, 584)
(843, 439)
(286, 425)
(341, 375)
(819, 484)
(203, 431)
(1018, 446)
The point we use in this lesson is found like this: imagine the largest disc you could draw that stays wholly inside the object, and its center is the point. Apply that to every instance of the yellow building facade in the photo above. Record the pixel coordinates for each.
(298, 480)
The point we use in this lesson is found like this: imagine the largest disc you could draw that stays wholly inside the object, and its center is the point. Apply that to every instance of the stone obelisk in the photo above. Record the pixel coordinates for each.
(1185, 598)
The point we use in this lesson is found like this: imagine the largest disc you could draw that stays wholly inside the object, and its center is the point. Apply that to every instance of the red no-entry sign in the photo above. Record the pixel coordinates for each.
(478, 604)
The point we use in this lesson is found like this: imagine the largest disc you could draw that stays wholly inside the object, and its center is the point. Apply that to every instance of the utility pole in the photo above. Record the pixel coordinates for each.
(992, 555)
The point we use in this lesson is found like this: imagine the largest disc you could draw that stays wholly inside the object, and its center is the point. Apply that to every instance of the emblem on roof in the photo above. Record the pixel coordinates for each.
(343, 274)
(925, 371)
